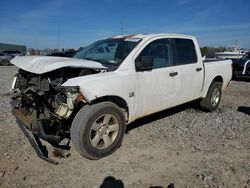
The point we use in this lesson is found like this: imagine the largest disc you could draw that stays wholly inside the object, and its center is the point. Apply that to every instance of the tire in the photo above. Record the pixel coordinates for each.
(213, 97)
(97, 130)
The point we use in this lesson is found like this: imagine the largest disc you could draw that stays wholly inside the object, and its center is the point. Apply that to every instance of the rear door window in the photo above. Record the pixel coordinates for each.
(185, 52)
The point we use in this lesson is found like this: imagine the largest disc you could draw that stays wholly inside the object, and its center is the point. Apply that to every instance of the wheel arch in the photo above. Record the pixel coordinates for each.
(119, 101)
(218, 78)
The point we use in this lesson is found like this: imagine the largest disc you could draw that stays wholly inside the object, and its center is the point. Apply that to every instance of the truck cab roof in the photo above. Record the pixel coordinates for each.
(152, 35)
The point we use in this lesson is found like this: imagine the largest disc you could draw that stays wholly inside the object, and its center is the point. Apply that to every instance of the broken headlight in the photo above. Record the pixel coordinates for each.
(72, 97)
(72, 89)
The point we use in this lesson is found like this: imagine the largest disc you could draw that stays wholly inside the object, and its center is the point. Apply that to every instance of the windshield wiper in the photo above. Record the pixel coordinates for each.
(89, 59)
(97, 60)
(104, 61)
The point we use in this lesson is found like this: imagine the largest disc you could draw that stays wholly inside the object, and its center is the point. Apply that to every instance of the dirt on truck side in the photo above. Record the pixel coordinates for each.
(180, 147)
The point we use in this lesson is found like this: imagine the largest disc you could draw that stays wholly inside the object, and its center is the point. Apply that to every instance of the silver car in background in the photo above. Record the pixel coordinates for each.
(5, 56)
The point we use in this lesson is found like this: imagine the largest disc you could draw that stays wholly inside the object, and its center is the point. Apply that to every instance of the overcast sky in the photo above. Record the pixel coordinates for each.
(75, 23)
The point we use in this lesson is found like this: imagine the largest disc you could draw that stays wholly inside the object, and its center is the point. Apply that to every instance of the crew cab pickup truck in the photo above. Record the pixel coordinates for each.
(90, 98)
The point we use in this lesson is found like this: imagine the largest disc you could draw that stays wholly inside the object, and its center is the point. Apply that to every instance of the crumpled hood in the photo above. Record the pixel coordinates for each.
(43, 64)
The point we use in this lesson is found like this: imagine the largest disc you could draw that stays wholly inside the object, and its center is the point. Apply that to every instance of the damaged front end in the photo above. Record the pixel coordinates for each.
(43, 106)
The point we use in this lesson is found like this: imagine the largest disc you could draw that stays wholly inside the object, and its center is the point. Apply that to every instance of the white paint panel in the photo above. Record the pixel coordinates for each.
(214, 69)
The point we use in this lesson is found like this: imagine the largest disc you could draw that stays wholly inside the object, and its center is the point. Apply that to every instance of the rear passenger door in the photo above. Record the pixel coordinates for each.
(190, 69)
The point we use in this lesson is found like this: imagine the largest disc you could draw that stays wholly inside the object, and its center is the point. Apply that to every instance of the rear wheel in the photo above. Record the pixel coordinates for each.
(213, 97)
(98, 130)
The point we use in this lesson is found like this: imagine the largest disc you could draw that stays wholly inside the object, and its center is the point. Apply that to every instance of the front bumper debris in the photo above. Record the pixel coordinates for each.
(36, 127)
(33, 130)
(36, 143)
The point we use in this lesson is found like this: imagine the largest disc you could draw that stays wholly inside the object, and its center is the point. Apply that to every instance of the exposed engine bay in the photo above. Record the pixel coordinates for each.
(44, 105)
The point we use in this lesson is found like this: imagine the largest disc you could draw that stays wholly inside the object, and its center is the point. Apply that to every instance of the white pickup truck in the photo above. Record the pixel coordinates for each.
(92, 97)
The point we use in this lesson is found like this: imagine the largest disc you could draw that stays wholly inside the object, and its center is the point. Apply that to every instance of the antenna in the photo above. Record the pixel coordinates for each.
(58, 37)
(235, 43)
(122, 27)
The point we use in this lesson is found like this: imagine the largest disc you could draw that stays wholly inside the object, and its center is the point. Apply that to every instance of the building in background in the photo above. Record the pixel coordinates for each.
(13, 47)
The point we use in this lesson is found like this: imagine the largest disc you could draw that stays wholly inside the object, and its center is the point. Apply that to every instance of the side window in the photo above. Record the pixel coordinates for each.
(184, 52)
(161, 52)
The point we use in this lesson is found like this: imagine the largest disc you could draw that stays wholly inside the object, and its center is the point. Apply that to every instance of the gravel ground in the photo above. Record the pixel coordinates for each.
(183, 146)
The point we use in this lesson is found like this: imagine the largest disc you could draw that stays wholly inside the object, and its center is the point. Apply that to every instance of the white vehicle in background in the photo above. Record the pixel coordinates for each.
(91, 100)
(231, 53)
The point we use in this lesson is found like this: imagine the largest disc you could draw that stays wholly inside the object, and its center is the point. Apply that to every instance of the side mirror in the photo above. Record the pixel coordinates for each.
(144, 63)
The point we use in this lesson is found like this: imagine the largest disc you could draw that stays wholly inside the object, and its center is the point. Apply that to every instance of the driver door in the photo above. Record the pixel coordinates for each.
(158, 87)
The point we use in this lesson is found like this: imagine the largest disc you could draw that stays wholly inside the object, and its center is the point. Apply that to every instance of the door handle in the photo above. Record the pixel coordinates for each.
(198, 69)
(172, 74)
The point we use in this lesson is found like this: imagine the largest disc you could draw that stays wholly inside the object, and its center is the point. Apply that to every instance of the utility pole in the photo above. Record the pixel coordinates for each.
(58, 37)
(122, 27)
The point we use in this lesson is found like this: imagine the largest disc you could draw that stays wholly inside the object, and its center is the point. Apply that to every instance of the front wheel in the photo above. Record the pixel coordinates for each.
(213, 97)
(98, 130)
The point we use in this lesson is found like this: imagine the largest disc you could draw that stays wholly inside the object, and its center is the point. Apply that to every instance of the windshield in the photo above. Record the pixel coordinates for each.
(110, 52)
